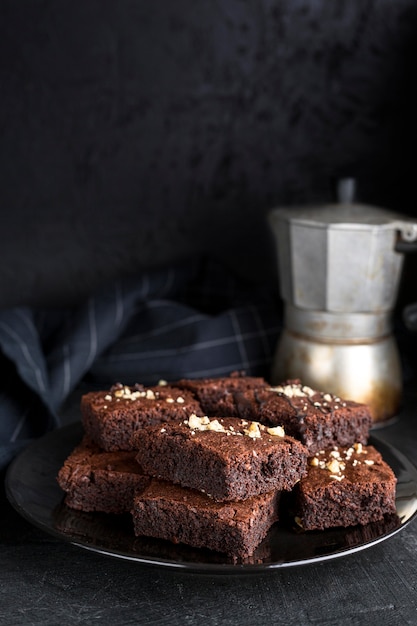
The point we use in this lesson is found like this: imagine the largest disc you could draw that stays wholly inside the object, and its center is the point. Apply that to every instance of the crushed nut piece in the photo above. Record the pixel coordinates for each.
(253, 430)
(198, 423)
(277, 431)
(294, 391)
(336, 477)
(333, 466)
(216, 426)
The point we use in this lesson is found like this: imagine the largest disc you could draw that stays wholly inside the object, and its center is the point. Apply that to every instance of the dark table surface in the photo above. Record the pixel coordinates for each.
(46, 581)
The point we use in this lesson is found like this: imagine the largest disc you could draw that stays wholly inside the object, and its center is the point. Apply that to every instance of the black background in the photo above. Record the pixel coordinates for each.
(135, 133)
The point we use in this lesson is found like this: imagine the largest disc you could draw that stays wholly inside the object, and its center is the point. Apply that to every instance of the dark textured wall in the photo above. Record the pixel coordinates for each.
(134, 133)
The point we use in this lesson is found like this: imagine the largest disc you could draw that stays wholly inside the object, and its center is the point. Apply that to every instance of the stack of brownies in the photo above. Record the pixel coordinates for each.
(205, 462)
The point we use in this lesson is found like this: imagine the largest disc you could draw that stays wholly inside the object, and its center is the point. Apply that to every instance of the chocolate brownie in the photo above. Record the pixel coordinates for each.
(111, 417)
(345, 487)
(319, 420)
(216, 395)
(227, 458)
(95, 480)
(170, 512)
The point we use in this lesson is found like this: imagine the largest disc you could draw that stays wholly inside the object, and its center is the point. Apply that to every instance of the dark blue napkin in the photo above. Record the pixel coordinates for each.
(193, 320)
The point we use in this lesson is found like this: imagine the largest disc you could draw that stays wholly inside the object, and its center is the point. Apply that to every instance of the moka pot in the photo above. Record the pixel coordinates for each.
(339, 270)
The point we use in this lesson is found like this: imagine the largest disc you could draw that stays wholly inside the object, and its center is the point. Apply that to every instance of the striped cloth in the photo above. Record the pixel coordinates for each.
(188, 321)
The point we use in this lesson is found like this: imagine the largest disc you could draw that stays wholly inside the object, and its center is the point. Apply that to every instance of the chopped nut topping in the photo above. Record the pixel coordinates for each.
(327, 397)
(277, 431)
(162, 383)
(169, 400)
(358, 448)
(253, 430)
(199, 423)
(337, 476)
(216, 426)
(333, 466)
(108, 397)
(314, 462)
(126, 393)
(204, 423)
(180, 400)
(369, 462)
(294, 391)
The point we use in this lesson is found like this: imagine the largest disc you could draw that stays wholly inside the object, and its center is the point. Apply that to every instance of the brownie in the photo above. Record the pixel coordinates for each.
(345, 487)
(216, 395)
(95, 480)
(227, 458)
(319, 420)
(111, 417)
(177, 514)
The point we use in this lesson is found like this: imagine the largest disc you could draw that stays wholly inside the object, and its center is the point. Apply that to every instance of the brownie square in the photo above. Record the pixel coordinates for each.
(177, 514)
(227, 458)
(95, 480)
(345, 487)
(319, 420)
(111, 417)
(216, 395)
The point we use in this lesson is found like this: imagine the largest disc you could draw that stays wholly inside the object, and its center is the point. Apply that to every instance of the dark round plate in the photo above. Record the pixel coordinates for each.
(33, 491)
